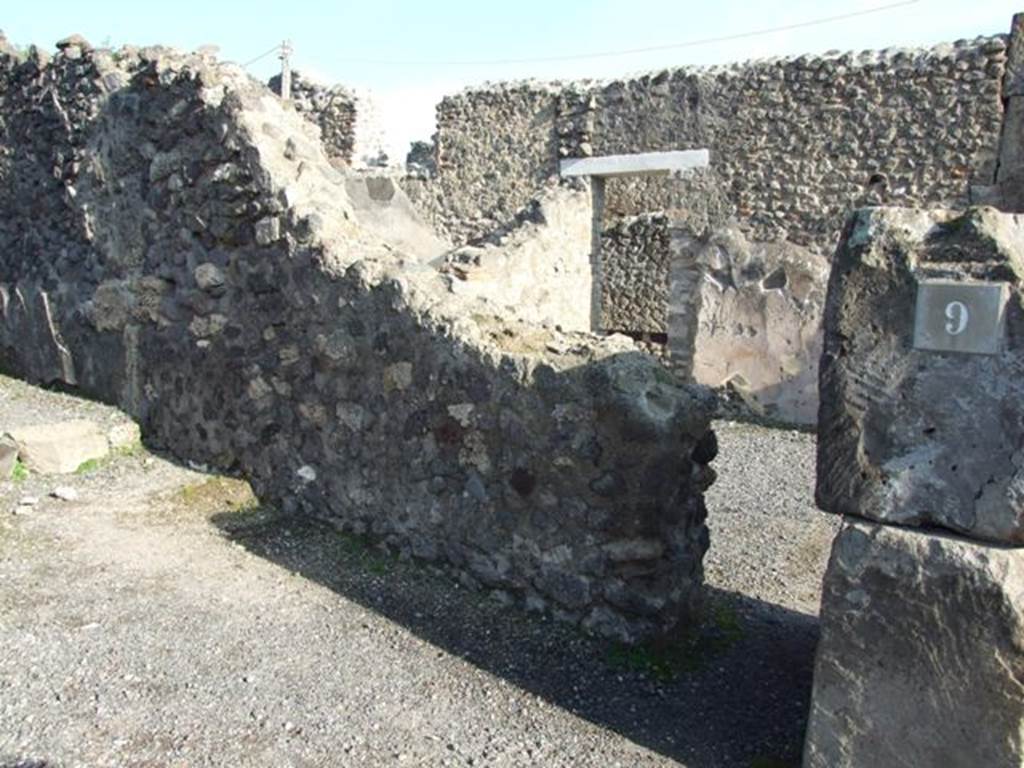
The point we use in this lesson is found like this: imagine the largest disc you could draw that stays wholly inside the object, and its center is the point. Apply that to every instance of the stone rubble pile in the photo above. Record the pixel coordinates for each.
(921, 657)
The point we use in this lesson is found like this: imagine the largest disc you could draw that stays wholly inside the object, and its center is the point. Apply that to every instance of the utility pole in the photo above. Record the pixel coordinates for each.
(286, 70)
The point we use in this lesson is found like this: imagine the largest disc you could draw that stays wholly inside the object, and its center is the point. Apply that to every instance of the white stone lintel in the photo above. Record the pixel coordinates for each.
(640, 164)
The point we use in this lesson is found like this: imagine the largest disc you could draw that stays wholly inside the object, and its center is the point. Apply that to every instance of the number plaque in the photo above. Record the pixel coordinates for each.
(954, 316)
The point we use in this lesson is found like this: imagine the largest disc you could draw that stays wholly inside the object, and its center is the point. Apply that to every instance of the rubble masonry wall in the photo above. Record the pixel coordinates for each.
(174, 240)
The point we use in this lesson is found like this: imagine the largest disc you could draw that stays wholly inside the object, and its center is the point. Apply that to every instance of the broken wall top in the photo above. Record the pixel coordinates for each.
(178, 231)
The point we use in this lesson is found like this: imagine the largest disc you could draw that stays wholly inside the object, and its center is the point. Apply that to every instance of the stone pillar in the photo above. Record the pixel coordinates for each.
(684, 297)
(1010, 170)
(921, 446)
(597, 226)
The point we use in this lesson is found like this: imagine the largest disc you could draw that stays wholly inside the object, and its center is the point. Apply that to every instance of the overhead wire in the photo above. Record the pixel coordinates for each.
(632, 51)
(264, 55)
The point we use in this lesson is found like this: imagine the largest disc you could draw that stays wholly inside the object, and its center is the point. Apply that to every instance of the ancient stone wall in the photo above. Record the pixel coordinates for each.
(1008, 192)
(634, 274)
(333, 108)
(160, 249)
(495, 149)
(795, 142)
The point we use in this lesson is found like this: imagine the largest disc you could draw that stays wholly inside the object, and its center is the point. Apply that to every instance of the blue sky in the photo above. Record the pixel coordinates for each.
(409, 53)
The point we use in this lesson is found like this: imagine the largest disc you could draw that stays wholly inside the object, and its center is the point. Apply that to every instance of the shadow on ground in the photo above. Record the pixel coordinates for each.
(733, 693)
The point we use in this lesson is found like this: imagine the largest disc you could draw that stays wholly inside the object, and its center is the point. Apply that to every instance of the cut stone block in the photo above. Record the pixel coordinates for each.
(919, 436)
(59, 448)
(639, 164)
(921, 656)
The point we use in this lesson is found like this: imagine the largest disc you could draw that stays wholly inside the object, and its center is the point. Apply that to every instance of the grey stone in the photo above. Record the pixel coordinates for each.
(65, 493)
(633, 602)
(634, 549)
(1014, 82)
(1010, 176)
(476, 489)
(914, 436)
(59, 448)
(397, 376)
(28, 315)
(492, 571)
(608, 484)
(268, 230)
(921, 656)
(209, 277)
(602, 621)
(497, 144)
(8, 457)
(565, 587)
(124, 437)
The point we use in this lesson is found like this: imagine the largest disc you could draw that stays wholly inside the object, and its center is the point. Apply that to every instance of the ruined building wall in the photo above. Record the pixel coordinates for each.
(333, 108)
(745, 316)
(795, 142)
(541, 269)
(160, 249)
(634, 274)
(495, 149)
(1009, 191)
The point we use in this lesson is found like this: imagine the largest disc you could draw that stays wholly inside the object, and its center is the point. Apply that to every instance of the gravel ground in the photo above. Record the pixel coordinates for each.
(769, 541)
(164, 619)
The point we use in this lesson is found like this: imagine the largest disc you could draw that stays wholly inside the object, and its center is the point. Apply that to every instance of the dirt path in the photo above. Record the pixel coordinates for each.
(163, 619)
